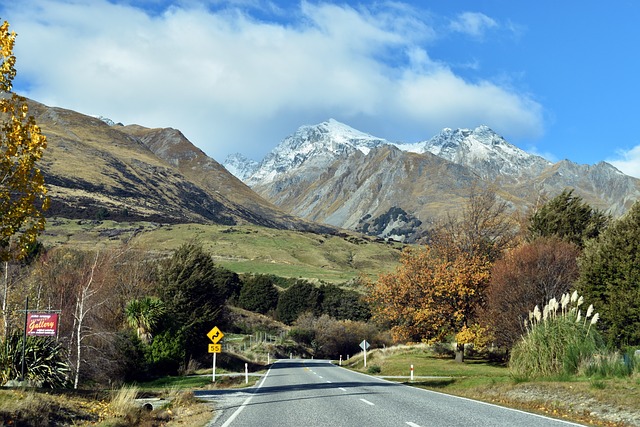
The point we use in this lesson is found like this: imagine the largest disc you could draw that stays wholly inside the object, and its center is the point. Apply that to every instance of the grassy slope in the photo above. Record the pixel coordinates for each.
(243, 249)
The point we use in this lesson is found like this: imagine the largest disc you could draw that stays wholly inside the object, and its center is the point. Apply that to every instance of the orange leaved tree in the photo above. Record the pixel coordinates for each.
(433, 294)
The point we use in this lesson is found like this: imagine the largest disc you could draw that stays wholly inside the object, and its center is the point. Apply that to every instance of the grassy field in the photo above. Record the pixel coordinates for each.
(243, 249)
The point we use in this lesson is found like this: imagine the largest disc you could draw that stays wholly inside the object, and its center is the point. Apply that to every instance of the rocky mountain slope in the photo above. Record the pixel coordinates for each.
(96, 170)
(334, 174)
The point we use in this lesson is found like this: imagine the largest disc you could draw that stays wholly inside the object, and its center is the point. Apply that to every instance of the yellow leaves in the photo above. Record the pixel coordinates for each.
(23, 197)
(7, 60)
(431, 294)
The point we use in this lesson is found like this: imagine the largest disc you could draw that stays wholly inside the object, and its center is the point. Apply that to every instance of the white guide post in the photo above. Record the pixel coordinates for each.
(213, 371)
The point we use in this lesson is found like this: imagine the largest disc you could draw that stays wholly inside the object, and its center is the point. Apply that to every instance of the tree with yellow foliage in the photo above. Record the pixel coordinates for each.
(433, 294)
(23, 197)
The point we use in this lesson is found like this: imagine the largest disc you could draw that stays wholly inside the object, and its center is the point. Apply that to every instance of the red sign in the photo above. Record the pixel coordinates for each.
(42, 324)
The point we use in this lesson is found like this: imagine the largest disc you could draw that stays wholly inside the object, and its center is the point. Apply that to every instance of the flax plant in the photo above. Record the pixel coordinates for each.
(558, 339)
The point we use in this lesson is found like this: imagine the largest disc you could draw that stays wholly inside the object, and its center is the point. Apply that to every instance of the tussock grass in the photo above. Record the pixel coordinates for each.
(559, 340)
(611, 364)
(123, 400)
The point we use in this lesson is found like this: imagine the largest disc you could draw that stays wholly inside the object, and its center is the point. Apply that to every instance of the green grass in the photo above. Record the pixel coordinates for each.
(397, 361)
(242, 249)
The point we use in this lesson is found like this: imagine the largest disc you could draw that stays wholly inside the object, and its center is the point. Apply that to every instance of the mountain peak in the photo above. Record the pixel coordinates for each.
(315, 147)
(484, 151)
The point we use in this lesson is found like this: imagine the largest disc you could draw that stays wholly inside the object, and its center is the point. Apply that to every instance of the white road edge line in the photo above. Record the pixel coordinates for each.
(472, 400)
(409, 423)
(367, 402)
(342, 388)
(246, 402)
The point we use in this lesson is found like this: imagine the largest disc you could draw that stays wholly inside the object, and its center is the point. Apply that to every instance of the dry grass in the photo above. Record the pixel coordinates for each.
(123, 400)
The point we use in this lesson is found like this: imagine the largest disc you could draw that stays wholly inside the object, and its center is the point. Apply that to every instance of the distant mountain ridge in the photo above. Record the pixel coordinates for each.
(334, 174)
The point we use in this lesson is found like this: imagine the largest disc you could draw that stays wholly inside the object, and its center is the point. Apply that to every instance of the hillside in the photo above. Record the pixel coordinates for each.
(244, 249)
(94, 170)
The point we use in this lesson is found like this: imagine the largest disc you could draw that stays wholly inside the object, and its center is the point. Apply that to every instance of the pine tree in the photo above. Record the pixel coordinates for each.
(610, 278)
(568, 217)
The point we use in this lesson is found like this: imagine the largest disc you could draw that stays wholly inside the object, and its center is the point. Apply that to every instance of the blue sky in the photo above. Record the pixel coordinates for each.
(559, 79)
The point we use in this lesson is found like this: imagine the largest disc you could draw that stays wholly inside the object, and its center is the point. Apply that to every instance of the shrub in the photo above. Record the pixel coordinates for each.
(258, 294)
(45, 361)
(374, 369)
(610, 365)
(558, 341)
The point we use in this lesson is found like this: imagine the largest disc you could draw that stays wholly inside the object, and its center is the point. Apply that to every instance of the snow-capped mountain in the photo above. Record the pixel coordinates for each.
(240, 166)
(486, 152)
(334, 174)
(481, 149)
(322, 144)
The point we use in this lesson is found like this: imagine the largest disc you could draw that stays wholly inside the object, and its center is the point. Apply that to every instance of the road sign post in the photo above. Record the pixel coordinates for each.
(215, 335)
(364, 345)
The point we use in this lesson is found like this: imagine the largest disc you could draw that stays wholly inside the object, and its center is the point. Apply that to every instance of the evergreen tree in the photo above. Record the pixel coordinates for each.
(193, 295)
(343, 304)
(301, 297)
(568, 217)
(258, 294)
(610, 278)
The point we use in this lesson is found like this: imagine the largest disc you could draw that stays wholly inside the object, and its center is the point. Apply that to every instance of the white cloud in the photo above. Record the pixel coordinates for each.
(627, 161)
(233, 82)
(474, 24)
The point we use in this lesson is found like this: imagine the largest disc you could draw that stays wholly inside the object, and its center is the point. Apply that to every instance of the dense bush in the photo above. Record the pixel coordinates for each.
(343, 304)
(258, 294)
(331, 338)
(610, 278)
(299, 298)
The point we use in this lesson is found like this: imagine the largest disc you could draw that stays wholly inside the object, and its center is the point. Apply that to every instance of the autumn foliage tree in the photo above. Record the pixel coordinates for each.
(524, 277)
(22, 191)
(433, 294)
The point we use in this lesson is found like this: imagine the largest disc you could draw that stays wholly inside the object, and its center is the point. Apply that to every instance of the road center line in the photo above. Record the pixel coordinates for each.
(367, 402)
(342, 388)
(409, 423)
(246, 402)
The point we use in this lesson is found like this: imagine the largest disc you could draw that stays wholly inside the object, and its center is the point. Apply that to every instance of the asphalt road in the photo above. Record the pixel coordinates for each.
(316, 393)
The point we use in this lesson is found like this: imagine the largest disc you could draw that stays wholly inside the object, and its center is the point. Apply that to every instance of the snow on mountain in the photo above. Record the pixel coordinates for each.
(484, 151)
(107, 120)
(322, 143)
(316, 147)
(240, 166)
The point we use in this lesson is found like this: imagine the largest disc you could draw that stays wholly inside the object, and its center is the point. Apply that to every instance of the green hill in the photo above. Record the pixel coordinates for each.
(243, 249)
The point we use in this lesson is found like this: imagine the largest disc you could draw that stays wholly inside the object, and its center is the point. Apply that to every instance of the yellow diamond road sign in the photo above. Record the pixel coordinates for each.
(215, 348)
(215, 335)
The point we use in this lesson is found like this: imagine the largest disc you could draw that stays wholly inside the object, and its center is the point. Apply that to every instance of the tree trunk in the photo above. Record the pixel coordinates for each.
(459, 353)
